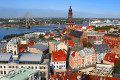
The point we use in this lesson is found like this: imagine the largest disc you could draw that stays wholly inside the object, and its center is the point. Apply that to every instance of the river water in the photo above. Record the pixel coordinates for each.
(8, 31)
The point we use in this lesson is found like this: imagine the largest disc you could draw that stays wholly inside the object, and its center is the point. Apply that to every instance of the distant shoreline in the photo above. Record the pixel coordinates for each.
(31, 25)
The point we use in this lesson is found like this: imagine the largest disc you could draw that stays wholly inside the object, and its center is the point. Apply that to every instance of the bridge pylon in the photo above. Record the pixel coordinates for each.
(27, 21)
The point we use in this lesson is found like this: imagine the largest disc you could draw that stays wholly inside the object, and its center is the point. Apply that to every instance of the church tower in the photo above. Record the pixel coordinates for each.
(70, 21)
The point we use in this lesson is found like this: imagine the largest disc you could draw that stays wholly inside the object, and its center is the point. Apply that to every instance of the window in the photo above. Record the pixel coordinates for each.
(21, 66)
(32, 67)
(41, 73)
(4, 66)
(9, 66)
(40, 67)
(44, 73)
(4, 72)
(16, 66)
(0, 66)
(44, 67)
(15, 52)
(36, 67)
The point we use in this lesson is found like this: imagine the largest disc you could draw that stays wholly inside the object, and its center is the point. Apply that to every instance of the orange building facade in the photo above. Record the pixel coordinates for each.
(113, 40)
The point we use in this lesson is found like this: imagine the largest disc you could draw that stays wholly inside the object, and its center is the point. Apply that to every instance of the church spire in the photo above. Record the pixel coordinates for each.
(70, 19)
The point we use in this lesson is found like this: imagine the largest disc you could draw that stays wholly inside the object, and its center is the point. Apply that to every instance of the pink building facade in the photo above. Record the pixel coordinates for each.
(82, 58)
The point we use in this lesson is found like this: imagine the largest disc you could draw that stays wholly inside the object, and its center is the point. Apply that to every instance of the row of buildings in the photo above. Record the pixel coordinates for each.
(67, 49)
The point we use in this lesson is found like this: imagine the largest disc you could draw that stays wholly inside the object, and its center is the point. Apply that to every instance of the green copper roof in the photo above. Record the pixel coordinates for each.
(76, 40)
(77, 48)
(19, 74)
(90, 40)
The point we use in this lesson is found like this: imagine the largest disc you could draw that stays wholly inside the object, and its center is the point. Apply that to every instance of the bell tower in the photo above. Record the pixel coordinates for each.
(70, 22)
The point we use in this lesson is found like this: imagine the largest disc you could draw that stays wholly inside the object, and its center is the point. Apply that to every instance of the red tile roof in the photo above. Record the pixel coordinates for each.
(73, 76)
(110, 57)
(76, 26)
(31, 44)
(46, 34)
(62, 32)
(65, 29)
(69, 41)
(51, 34)
(58, 56)
(73, 54)
(100, 31)
(89, 27)
(65, 76)
(80, 26)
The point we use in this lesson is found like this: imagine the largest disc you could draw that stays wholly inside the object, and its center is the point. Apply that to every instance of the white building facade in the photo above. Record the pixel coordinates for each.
(7, 64)
(12, 47)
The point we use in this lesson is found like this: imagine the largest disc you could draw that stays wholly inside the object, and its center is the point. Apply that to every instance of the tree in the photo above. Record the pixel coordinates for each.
(84, 44)
(58, 30)
(119, 31)
(63, 30)
(41, 36)
(50, 38)
(117, 66)
(114, 31)
(89, 44)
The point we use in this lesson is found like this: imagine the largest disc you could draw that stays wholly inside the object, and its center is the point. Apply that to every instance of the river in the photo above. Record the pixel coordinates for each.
(8, 31)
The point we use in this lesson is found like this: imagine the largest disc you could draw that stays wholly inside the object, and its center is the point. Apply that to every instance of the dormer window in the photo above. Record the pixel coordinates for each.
(58, 54)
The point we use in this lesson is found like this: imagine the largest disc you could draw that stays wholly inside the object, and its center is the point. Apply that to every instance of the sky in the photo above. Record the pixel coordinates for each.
(59, 8)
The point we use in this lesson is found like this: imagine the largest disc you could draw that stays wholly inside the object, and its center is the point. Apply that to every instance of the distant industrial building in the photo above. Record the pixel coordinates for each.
(13, 20)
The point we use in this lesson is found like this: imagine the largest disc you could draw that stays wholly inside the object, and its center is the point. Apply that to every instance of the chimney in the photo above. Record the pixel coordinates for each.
(62, 58)
(58, 54)
(55, 58)
(64, 73)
